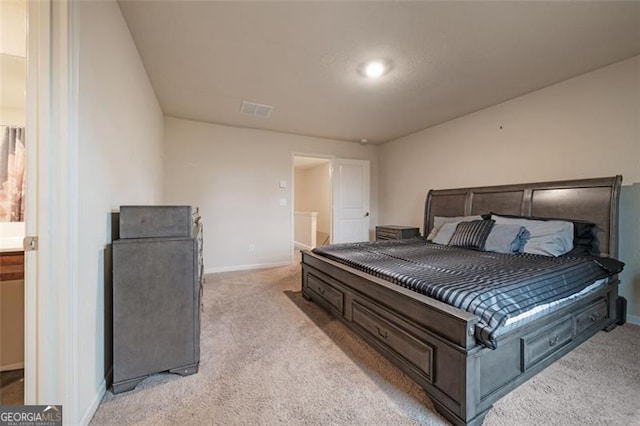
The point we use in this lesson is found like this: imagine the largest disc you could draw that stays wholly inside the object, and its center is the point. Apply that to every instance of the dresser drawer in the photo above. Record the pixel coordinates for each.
(591, 315)
(325, 293)
(396, 232)
(417, 353)
(536, 346)
(387, 235)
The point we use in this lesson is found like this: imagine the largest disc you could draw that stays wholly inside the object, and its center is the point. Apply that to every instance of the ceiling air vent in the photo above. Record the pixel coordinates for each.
(259, 110)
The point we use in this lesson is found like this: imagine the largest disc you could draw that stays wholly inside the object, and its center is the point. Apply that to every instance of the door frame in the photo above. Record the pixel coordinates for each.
(332, 159)
(51, 302)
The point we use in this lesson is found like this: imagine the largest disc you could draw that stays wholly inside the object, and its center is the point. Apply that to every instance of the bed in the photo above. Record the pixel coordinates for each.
(448, 351)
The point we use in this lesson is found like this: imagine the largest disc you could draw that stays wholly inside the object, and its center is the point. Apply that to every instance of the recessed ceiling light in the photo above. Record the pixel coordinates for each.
(375, 69)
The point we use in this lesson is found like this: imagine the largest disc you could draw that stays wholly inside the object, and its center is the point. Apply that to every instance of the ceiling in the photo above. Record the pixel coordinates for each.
(449, 58)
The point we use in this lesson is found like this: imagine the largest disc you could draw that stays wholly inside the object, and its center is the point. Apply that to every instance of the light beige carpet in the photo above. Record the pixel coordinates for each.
(270, 357)
(12, 387)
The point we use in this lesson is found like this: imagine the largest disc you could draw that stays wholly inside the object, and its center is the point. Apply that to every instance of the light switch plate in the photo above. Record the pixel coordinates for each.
(283, 184)
(283, 201)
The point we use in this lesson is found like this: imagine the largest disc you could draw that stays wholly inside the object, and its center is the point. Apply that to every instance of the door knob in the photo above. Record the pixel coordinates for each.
(366, 214)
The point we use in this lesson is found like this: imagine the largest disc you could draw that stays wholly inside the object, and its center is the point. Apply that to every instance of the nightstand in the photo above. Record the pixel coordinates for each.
(395, 232)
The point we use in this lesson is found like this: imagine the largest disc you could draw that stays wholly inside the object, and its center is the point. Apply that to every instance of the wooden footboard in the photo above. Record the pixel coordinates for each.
(434, 343)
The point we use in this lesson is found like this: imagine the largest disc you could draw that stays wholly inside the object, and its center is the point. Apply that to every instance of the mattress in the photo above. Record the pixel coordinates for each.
(501, 289)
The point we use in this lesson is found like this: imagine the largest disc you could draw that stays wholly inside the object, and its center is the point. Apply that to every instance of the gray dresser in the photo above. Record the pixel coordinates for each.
(157, 277)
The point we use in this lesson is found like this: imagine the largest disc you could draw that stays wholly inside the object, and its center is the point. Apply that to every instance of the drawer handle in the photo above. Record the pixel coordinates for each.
(594, 317)
(553, 340)
(320, 290)
(381, 334)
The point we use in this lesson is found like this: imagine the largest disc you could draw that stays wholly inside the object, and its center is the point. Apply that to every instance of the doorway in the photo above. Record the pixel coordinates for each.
(13, 118)
(330, 200)
(312, 202)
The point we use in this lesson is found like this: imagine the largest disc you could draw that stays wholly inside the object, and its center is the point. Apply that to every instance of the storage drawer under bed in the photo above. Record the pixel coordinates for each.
(538, 345)
(416, 352)
(593, 314)
(326, 294)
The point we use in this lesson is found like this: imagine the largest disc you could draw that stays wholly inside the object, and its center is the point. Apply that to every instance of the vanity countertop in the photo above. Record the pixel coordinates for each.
(4, 250)
(11, 244)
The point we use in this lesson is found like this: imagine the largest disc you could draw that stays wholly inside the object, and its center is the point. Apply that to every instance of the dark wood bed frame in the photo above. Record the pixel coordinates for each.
(433, 342)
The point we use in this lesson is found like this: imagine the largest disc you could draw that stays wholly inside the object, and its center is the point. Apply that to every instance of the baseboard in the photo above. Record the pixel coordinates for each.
(633, 319)
(93, 406)
(301, 246)
(9, 367)
(246, 267)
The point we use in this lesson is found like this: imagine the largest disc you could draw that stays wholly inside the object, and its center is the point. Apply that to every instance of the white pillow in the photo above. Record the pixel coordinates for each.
(547, 237)
(439, 221)
(445, 233)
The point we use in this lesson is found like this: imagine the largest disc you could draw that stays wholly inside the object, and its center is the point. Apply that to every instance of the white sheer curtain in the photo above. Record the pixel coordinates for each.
(12, 166)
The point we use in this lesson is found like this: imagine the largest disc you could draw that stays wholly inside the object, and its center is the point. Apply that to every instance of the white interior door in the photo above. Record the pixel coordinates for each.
(51, 309)
(350, 201)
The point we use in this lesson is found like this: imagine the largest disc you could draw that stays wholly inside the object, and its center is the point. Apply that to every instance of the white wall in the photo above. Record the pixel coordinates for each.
(13, 116)
(13, 79)
(11, 235)
(300, 190)
(313, 193)
(13, 29)
(120, 162)
(305, 229)
(584, 127)
(320, 188)
(630, 249)
(13, 52)
(233, 175)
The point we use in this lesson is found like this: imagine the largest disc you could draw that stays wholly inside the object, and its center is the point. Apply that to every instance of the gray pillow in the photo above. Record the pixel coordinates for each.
(471, 235)
(445, 233)
(507, 238)
(547, 237)
(439, 221)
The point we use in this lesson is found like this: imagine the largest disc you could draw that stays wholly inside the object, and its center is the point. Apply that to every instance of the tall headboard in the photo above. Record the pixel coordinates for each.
(592, 200)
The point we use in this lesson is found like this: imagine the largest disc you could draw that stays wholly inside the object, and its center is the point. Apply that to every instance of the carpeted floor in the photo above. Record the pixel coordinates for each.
(270, 357)
(12, 387)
